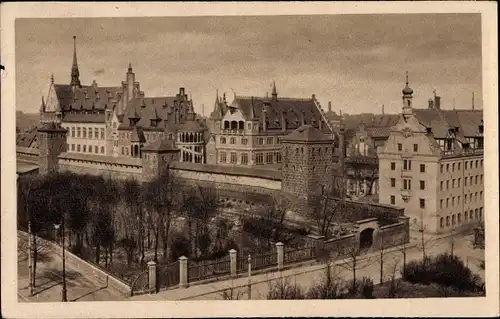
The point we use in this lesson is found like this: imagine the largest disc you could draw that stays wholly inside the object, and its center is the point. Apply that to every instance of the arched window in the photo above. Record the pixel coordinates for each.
(241, 125)
(226, 124)
(441, 222)
(447, 220)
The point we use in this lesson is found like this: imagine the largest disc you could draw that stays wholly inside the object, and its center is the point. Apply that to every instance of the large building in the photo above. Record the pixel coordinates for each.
(250, 129)
(432, 165)
(120, 120)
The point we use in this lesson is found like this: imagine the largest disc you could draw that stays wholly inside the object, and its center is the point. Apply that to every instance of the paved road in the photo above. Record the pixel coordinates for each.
(307, 276)
(80, 287)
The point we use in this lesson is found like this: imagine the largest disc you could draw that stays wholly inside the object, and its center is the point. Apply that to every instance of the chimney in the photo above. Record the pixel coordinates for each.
(473, 101)
(329, 106)
(320, 124)
(313, 96)
(264, 119)
(181, 91)
(283, 122)
(431, 104)
(437, 102)
(302, 118)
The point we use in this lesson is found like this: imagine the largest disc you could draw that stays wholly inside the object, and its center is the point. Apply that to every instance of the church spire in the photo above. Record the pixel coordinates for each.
(75, 73)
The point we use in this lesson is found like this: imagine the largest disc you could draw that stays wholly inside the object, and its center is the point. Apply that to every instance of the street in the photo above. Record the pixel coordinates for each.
(80, 287)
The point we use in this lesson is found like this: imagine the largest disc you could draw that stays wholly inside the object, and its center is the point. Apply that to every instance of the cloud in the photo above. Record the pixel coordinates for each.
(98, 72)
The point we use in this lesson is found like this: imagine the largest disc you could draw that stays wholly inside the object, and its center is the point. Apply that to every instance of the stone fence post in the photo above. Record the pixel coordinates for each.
(152, 276)
(232, 256)
(281, 254)
(183, 272)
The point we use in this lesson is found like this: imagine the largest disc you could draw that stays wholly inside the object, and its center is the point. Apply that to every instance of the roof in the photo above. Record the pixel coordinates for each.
(307, 133)
(23, 168)
(160, 145)
(292, 109)
(88, 97)
(220, 108)
(27, 138)
(441, 121)
(80, 117)
(137, 135)
(51, 127)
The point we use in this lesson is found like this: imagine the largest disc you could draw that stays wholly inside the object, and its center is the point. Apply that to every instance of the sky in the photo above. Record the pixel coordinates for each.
(357, 62)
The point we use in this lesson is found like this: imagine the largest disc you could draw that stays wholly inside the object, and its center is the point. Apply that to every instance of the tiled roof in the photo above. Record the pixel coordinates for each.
(160, 145)
(87, 97)
(220, 108)
(25, 139)
(307, 133)
(293, 109)
(80, 117)
(441, 121)
(468, 120)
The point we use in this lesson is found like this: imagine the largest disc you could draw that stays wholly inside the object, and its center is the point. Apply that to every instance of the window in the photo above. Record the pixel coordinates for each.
(465, 199)
(393, 182)
(84, 148)
(269, 140)
(465, 216)
(400, 147)
(453, 201)
(232, 140)
(475, 213)
(244, 158)
(393, 166)
(470, 215)
(422, 168)
(481, 179)
(477, 163)
(441, 204)
(447, 220)
(96, 134)
(223, 157)
(278, 157)
(441, 222)
(459, 164)
(481, 163)
(223, 140)
(458, 182)
(393, 200)
(96, 149)
(441, 185)
(123, 150)
(453, 167)
(480, 213)
(481, 195)
(453, 183)
(476, 179)
(453, 221)
(465, 166)
(91, 133)
(475, 196)
(84, 132)
(406, 183)
(447, 168)
(415, 147)
(72, 147)
(102, 149)
(244, 141)
(407, 165)
(78, 131)
(234, 157)
(259, 158)
(73, 132)
(78, 148)
(269, 158)
(447, 184)
(458, 200)
(422, 184)
(260, 141)
(465, 181)
(447, 202)
(422, 203)
(442, 166)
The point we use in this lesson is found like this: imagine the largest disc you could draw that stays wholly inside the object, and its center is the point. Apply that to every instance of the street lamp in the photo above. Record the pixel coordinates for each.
(64, 293)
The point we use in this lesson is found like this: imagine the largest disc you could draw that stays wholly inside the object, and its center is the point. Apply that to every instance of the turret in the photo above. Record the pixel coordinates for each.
(75, 73)
(407, 98)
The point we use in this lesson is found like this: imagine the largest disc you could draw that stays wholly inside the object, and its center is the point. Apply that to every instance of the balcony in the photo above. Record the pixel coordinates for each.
(406, 194)
(233, 131)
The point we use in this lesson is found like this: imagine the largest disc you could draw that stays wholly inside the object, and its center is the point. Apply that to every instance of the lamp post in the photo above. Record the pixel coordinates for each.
(30, 248)
(64, 292)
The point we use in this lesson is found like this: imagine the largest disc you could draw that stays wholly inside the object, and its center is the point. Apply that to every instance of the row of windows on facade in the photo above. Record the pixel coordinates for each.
(407, 166)
(415, 147)
(467, 165)
(473, 180)
(470, 198)
(93, 133)
(86, 148)
(407, 184)
(471, 215)
(270, 157)
(421, 201)
(244, 140)
(147, 136)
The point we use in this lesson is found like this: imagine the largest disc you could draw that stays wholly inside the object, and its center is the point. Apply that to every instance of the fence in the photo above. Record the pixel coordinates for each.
(299, 254)
(168, 275)
(207, 269)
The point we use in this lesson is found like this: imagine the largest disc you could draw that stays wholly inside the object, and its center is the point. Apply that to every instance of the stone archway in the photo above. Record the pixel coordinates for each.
(366, 238)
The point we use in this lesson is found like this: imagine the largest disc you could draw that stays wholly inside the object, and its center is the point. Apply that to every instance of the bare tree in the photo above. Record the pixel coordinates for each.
(354, 262)
(381, 247)
(133, 219)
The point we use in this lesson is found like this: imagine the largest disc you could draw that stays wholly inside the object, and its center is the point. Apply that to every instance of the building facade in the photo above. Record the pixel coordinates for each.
(121, 120)
(432, 165)
(250, 129)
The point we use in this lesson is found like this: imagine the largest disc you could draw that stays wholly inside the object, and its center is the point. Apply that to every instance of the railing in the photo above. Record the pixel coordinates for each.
(207, 269)
(140, 284)
(233, 131)
(168, 275)
(264, 260)
(300, 254)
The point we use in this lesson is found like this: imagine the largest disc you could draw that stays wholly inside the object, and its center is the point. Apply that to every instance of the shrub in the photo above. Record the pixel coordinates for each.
(180, 247)
(366, 288)
(281, 289)
(328, 288)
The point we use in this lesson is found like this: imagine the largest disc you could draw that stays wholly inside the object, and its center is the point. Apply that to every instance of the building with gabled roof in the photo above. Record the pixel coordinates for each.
(432, 165)
(248, 131)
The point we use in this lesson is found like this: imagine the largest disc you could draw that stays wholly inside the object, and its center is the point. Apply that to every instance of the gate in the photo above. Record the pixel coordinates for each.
(140, 285)
(168, 275)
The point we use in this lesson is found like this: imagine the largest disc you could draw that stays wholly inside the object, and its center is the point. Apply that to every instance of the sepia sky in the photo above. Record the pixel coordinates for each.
(356, 61)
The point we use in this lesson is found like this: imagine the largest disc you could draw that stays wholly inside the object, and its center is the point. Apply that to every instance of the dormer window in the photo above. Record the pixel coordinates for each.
(154, 123)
